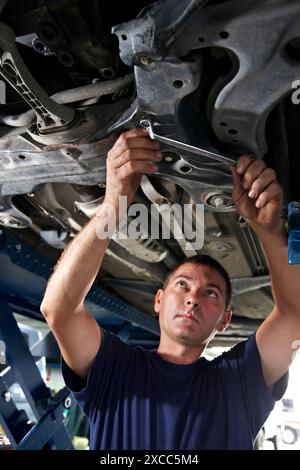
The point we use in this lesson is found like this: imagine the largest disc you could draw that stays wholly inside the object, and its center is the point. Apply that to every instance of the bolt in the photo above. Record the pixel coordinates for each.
(146, 60)
(170, 156)
(219, 202)
(7, 396)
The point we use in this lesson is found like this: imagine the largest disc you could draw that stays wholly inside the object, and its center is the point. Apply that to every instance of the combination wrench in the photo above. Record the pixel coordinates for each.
(147, 124)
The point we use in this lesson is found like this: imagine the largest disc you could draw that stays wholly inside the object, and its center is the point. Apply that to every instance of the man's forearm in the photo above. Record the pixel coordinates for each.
(77, 268)
(285, 277)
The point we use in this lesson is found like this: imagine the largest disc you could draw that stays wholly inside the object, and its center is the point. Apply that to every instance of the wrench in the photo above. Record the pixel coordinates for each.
(181, 145)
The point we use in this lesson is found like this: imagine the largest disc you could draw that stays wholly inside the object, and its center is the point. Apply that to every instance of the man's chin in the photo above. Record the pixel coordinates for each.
(188, 338)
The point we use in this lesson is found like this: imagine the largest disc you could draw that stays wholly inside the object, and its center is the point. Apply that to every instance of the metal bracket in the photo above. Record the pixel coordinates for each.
(50, 115)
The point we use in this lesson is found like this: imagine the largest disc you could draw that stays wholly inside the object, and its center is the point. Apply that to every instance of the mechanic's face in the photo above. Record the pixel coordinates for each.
(192, 306)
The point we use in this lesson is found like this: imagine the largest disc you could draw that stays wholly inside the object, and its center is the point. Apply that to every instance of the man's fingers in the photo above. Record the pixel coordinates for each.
(141, 136)
(237, 183)
(136, 168)
(253, 171)
(273, 191)
(133, 143)
(243, 163)
(137, 132)
(267, 176)
(136, 154)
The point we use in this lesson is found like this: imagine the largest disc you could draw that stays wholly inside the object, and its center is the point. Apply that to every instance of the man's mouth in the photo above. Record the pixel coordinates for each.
(190, 316)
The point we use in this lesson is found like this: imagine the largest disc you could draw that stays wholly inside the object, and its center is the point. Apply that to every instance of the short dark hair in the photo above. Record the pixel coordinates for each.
(208, 261)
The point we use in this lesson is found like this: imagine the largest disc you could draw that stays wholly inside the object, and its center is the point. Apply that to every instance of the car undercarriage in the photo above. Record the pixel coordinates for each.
(217, 75)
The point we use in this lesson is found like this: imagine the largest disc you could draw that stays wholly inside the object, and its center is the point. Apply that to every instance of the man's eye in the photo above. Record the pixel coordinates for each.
(181, 283)
(211, 293)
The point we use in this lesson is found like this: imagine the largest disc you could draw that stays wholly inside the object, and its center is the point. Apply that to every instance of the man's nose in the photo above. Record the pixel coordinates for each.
(191, 301)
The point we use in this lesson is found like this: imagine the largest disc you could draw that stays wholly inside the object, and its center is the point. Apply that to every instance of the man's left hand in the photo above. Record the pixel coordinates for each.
(257, 195)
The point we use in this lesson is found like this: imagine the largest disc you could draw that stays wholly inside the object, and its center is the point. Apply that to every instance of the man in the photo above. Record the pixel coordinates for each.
(172, 398)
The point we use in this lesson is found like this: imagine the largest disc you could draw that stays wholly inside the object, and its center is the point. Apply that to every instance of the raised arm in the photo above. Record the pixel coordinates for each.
(77, 332)
(258, 198)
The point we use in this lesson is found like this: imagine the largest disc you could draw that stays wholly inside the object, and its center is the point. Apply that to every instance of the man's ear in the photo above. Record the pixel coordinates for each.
(158, 298)
(225, 320)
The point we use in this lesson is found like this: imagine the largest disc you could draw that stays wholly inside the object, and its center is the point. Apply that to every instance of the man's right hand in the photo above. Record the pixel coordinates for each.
(133, 154)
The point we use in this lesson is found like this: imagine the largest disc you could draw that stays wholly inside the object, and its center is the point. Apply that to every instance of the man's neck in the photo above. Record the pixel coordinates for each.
(179, 353)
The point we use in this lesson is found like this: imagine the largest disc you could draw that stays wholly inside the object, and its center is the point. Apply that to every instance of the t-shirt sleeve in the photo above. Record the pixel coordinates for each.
(259, 398)
(110, 362)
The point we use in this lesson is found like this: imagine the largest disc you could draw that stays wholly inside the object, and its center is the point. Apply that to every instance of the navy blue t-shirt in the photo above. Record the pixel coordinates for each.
(135, 400)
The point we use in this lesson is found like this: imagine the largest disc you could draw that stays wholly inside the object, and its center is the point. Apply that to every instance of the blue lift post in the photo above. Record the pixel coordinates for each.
(48, 411)
(23, 279)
